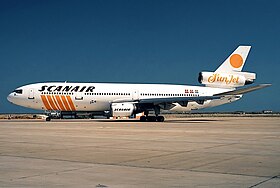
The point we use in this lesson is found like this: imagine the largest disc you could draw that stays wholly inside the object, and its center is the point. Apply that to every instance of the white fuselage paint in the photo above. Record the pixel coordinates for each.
(100, 96)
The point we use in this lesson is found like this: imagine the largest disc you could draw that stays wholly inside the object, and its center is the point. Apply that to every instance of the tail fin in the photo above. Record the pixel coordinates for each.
(229, 74)
(236, 61)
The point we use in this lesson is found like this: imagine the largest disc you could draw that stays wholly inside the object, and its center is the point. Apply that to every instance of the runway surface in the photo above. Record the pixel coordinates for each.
(194, 152)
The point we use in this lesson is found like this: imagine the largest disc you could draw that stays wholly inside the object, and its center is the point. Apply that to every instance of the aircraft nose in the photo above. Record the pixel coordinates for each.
(10, 97)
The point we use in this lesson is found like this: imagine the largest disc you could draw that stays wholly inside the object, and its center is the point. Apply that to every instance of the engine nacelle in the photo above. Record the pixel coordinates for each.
(122, 109)
(224, 80)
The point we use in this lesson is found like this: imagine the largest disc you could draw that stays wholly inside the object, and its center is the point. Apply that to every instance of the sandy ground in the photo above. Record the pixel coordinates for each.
(192, 152)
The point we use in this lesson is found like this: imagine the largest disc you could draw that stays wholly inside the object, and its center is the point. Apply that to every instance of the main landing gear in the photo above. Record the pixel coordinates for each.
(152, 118)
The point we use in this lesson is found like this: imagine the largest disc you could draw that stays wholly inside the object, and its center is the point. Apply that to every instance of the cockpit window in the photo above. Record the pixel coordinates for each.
(18, 91)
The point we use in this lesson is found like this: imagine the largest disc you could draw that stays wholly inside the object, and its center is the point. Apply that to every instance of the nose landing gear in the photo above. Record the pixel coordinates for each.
(48, 118)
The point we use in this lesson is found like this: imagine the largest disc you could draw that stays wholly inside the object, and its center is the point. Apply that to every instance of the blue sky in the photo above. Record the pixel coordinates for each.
(145, 41)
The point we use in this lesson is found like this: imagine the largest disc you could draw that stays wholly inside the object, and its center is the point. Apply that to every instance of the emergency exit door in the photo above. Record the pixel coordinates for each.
(31, 94)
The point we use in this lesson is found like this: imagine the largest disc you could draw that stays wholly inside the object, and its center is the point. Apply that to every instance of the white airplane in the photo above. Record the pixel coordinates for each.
(120, 100)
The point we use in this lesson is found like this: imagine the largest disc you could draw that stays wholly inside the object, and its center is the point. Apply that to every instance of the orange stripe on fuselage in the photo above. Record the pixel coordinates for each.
(60, 103)
(55, 103)
(71, 103)
(44, 99)
(51, 102)
(64, 100)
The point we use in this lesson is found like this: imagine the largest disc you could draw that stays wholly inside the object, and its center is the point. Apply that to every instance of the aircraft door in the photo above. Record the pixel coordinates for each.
(135, 95)
(31, 94)
(79, 96)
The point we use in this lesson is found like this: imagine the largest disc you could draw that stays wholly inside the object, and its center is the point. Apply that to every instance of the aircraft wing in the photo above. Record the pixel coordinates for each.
(177, 99)
(243, 90)
(197, 99)
(169, 99)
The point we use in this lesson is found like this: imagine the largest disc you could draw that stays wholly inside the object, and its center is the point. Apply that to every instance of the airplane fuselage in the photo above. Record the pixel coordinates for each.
(99, 96)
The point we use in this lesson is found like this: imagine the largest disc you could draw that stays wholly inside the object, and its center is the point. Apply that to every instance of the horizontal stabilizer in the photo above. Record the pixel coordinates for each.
(244, 90)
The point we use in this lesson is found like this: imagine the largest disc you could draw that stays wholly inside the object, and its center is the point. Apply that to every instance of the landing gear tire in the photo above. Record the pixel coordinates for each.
(151, 118)
(48, 118)
(160, 119)
(143, 118)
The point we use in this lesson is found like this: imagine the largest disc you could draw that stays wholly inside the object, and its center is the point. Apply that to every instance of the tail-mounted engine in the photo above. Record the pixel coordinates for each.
(224, 80)
(122, 109)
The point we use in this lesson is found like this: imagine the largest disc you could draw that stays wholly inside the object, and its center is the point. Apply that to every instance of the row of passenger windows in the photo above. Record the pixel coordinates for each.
(126, 94)
(107, 93)
(71, 93)
(169, 95)
(57, 93)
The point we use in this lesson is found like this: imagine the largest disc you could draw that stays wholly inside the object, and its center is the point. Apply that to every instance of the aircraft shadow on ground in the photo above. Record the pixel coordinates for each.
(191, 120)
(166, 121)
(116, 120)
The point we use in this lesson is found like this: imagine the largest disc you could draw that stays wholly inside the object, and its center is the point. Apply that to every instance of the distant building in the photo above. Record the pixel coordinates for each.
(267, 111)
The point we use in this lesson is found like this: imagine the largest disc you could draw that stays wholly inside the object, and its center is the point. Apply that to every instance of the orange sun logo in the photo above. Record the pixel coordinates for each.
(236, 61)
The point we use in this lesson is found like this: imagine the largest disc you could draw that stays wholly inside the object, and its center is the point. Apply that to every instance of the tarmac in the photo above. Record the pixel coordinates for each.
(185, 152)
